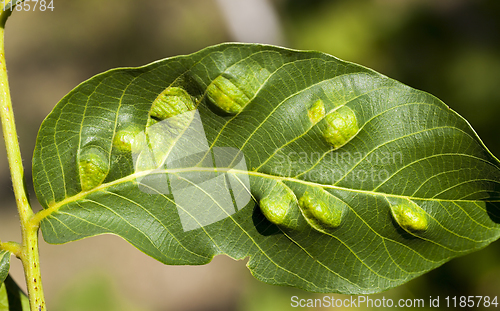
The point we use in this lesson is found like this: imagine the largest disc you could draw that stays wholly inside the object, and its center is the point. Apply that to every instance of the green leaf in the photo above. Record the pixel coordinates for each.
(4, 301)
(12, 297)
(363, 183)
(4, 265)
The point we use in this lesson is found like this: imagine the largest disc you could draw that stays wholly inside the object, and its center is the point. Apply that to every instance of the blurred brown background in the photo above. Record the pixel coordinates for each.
(450, 48)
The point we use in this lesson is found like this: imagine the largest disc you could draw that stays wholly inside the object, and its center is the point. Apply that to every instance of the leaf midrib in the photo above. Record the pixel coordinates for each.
(54, 207)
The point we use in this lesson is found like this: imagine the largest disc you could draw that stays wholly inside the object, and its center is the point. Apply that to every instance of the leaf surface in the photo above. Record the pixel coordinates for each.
(329, 176)
(12, 298)
(4, 265)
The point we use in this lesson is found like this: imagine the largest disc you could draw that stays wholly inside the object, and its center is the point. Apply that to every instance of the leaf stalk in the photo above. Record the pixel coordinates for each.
(12, 247)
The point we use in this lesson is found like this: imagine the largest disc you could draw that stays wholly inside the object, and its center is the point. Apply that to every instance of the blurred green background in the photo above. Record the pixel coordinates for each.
(450, 48)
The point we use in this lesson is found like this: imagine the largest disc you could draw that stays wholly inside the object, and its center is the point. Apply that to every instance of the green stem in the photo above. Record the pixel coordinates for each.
(29, 247)
(12, 247)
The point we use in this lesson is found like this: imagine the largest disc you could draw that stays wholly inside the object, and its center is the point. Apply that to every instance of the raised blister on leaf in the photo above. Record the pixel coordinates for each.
(341, 126)
(151, 148)
(226, 95)
(124, 139)
(279, 206)
(93, 167)
(317, 112)
(171, 102)
(319, 212)
(409, 216)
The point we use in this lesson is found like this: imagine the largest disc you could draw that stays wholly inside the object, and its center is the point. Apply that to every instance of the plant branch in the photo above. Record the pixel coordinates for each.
(29, 247)
(10, 133)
